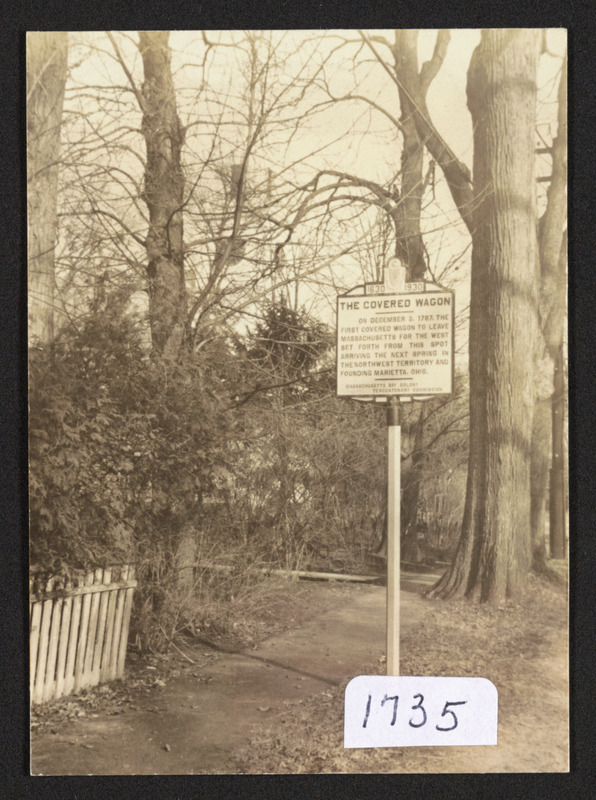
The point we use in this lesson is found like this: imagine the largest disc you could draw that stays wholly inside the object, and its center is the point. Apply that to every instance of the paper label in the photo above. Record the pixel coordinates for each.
(386, 711)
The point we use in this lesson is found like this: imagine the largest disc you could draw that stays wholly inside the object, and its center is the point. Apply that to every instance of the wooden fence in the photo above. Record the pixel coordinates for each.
(78, 630)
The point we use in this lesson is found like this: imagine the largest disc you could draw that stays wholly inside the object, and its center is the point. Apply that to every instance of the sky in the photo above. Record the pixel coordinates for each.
(373, 155)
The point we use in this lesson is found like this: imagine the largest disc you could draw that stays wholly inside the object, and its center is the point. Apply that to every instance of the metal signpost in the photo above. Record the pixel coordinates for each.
(395, 341)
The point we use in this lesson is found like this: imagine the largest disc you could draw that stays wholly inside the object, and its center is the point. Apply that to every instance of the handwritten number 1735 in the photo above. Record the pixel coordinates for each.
(417, 707)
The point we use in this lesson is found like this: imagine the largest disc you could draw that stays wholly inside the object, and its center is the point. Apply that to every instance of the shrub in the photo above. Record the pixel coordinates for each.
(122, 448)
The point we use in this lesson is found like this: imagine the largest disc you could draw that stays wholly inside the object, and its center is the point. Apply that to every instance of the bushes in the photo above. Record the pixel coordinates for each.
(80, 451)
(133, 459)
(121, 449)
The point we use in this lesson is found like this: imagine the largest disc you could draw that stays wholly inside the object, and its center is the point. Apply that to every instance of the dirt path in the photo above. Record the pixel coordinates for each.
(201, 721)
(196, 724)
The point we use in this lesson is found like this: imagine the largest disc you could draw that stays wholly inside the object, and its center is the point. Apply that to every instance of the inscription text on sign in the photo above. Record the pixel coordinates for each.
(395, 345)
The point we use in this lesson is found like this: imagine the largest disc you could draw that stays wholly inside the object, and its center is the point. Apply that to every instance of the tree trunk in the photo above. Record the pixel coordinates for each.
(409, 244)
(493, 554)
(164, 196)
(553, 263)
(46, 76)
(164, 187)
(541, 438)
(415, 87)
(557, 474)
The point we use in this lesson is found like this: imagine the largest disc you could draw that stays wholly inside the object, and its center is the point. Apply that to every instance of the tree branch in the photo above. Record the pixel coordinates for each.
(271, 386)
(456, 173)
(127, 72)
(430, 69)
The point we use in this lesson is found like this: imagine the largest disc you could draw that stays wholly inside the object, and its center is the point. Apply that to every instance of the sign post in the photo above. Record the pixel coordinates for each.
(393, 532)
(395, 341)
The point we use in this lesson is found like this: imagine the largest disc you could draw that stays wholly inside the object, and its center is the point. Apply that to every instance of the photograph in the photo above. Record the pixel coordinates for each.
(298, 421)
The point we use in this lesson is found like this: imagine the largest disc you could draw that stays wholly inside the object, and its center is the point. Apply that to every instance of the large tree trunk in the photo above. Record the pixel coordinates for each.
(553, 262)
(539, 479)
(493, 554)
(164, 187)
(557, 474)
(46, 76)
(409, 244)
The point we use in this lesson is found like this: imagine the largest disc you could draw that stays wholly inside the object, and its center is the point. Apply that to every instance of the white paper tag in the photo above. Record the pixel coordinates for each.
(386, 711)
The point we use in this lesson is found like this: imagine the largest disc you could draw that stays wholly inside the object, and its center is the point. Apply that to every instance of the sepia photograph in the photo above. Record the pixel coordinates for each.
(298, 401)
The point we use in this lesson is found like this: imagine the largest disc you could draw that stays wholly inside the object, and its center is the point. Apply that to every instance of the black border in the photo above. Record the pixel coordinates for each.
(184, 14)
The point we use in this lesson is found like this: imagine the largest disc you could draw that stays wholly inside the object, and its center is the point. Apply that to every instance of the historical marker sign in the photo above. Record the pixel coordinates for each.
(395, 341)
(395, 344)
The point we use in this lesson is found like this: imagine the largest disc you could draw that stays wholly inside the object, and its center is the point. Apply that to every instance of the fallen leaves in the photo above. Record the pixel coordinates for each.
(455, 638)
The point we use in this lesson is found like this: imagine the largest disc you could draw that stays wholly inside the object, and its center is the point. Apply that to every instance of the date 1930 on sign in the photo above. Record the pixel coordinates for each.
(386, 711)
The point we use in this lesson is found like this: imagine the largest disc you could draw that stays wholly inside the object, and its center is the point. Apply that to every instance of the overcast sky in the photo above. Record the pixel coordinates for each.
(373, 155)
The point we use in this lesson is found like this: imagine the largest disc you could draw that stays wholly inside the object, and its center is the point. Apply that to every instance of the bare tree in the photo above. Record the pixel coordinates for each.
(46, 76)
(493, 554)
(164, 194)
(413, 85)
(229, 181)
(401, 197)
(549, 404)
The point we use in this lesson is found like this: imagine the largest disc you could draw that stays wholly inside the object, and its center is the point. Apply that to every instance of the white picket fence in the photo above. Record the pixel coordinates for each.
(78, 630)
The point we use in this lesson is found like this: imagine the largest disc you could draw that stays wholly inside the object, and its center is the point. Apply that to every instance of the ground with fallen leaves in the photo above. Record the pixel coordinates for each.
(273, 606)
(522, 647)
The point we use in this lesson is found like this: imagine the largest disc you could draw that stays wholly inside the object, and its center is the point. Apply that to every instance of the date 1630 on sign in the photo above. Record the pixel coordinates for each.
(385, 711)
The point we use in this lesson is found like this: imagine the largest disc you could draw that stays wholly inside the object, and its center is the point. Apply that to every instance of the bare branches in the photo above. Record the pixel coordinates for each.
(552, 240)
(384, 195)
(126, 71)
(109, 215)
(376, 54)
(260, 105)
(456, 173)
(260, 388)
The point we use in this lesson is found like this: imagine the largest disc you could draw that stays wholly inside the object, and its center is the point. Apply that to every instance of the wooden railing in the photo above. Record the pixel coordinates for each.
(78, 630)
